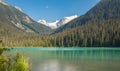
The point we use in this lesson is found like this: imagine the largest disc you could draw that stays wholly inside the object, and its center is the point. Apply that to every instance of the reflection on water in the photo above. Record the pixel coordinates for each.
(50, 65)
(54, 65)
(73, 59)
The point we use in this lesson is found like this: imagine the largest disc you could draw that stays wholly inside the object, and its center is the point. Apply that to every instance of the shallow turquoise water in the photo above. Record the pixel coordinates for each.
(72, 59)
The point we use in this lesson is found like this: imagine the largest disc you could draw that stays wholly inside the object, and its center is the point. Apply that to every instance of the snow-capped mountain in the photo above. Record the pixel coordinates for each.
(58, 23)
(66, 20)
(44, 22)
(52, 25)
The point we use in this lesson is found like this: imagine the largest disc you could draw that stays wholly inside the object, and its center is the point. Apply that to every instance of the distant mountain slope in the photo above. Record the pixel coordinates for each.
(102, 34)
(58, 23)
(104, 10)
(14, 18)
(52, 25)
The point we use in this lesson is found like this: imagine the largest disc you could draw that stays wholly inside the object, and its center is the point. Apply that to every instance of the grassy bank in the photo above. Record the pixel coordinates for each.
(14, 62)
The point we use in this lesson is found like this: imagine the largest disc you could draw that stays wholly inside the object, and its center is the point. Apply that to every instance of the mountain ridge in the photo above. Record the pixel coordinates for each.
(20, 20)
(104, 10)
(58, 23)
(99, 27)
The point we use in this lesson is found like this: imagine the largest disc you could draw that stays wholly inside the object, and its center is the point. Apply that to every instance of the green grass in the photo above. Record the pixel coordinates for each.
(16, 62)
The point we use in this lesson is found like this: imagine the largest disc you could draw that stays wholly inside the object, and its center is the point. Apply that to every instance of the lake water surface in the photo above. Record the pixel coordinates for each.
(72, 59)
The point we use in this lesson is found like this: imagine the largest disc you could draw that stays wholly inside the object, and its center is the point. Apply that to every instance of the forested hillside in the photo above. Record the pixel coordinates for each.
(99, 27)
(105, 33)
(103, 11)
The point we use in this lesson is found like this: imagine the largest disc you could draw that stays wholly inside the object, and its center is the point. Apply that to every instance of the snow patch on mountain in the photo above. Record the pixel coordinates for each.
(18, 8)
(53, 25)
(2, 2)
(19, 25)
(27, 19)
(65, 20)
(58, 23)
(44, 22)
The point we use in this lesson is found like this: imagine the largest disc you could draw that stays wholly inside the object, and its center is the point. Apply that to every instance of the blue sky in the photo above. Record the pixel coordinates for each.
(52, 10)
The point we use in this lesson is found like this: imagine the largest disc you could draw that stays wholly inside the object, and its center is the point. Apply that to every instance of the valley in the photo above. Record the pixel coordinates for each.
(74, 41)
(99, 27)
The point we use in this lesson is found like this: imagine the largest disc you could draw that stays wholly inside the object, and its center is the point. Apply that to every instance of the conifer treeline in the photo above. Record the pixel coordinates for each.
(102, 34)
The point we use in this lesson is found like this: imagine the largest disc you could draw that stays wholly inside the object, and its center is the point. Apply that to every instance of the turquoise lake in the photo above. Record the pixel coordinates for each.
(72, 59)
